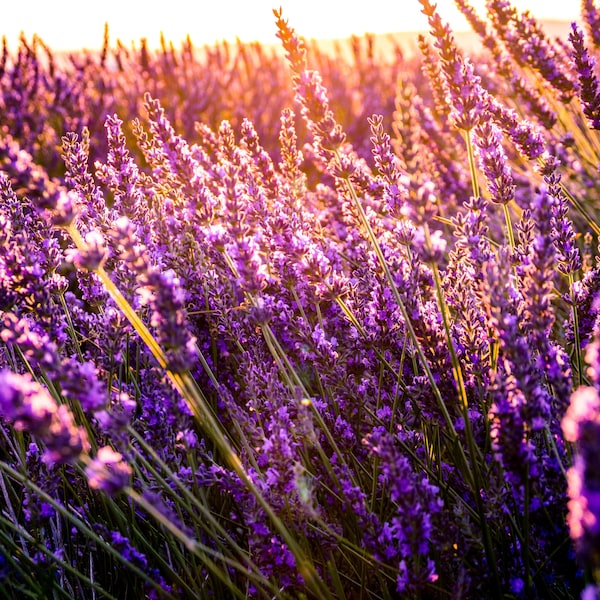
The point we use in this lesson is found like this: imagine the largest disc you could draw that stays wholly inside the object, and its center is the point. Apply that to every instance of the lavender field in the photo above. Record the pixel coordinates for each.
(296, 324)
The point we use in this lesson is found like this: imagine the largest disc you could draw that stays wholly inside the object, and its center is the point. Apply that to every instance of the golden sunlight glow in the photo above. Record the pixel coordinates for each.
(73, 25)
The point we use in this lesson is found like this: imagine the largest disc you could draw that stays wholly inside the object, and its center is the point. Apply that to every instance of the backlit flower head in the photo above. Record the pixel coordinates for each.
(108, 471)
(29, 407)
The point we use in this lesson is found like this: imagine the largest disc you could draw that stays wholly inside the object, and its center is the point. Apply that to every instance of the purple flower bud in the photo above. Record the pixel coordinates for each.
(93, 256)
(581, 425)
(108, 471)
(65, 209)
(29, 407)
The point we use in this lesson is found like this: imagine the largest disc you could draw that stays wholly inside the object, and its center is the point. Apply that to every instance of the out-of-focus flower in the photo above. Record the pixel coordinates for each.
(432, 247)
(584, 407)
(591, 15)
(65, 210)
(582, 425)
(108, 471)
(93, 256)
(29, 407)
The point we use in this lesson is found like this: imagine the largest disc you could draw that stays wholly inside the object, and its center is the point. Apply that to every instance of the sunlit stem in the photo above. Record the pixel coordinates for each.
(509, 229)
(472, 166)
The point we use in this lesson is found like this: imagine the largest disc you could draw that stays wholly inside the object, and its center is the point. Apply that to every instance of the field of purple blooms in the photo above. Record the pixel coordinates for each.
(287, 323)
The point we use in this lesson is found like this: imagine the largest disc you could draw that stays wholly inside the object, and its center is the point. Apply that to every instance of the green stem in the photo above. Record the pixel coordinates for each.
(579, 362)
(509, 229)
(472, 167)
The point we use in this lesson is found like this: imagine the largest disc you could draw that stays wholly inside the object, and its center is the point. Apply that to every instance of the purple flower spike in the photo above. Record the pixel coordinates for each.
(494, 162)
(29, 407)
(581, 425)
(162, 292)
(93, 256)
(108, 471)
(463, 87)
(589, 91)
(591, 15)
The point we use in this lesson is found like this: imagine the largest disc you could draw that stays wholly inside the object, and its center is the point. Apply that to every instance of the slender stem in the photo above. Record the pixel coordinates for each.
(472, 167)
(577, 341)
(509, 230)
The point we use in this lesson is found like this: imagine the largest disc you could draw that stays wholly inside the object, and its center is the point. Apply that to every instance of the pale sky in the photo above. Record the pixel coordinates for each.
(77, 24)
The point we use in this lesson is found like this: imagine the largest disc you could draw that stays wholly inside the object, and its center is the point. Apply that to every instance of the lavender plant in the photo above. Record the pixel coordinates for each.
(337, 341)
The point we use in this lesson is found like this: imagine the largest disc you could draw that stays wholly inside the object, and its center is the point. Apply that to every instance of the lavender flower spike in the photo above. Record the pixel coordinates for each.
(463, 87)
(108, 471)
(589, 93)
(28, 406)
(591, 17)
(581, 425)
(162, 292)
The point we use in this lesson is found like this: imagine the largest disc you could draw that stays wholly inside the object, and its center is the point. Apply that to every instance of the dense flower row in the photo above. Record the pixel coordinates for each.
(336, 341)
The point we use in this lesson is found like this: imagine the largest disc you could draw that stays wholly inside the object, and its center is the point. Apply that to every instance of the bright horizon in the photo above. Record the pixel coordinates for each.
(74, 25)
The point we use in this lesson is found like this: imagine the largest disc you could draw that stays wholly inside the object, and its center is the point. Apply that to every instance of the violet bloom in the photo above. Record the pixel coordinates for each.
(589, 92)
(494, 162)
(28, 406)
(521, 403)
(569, 257)
(386, 162)
(312, 96)
(463, 87)
(108, 471)
(591, 15)
(522, 91)
(407, 536)
(525, 134)
(581, 425)
(120, 172)
(290, 167)
(526, 41)
(80, 382)
(431, 69)
(76, 157)
(295, 49)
